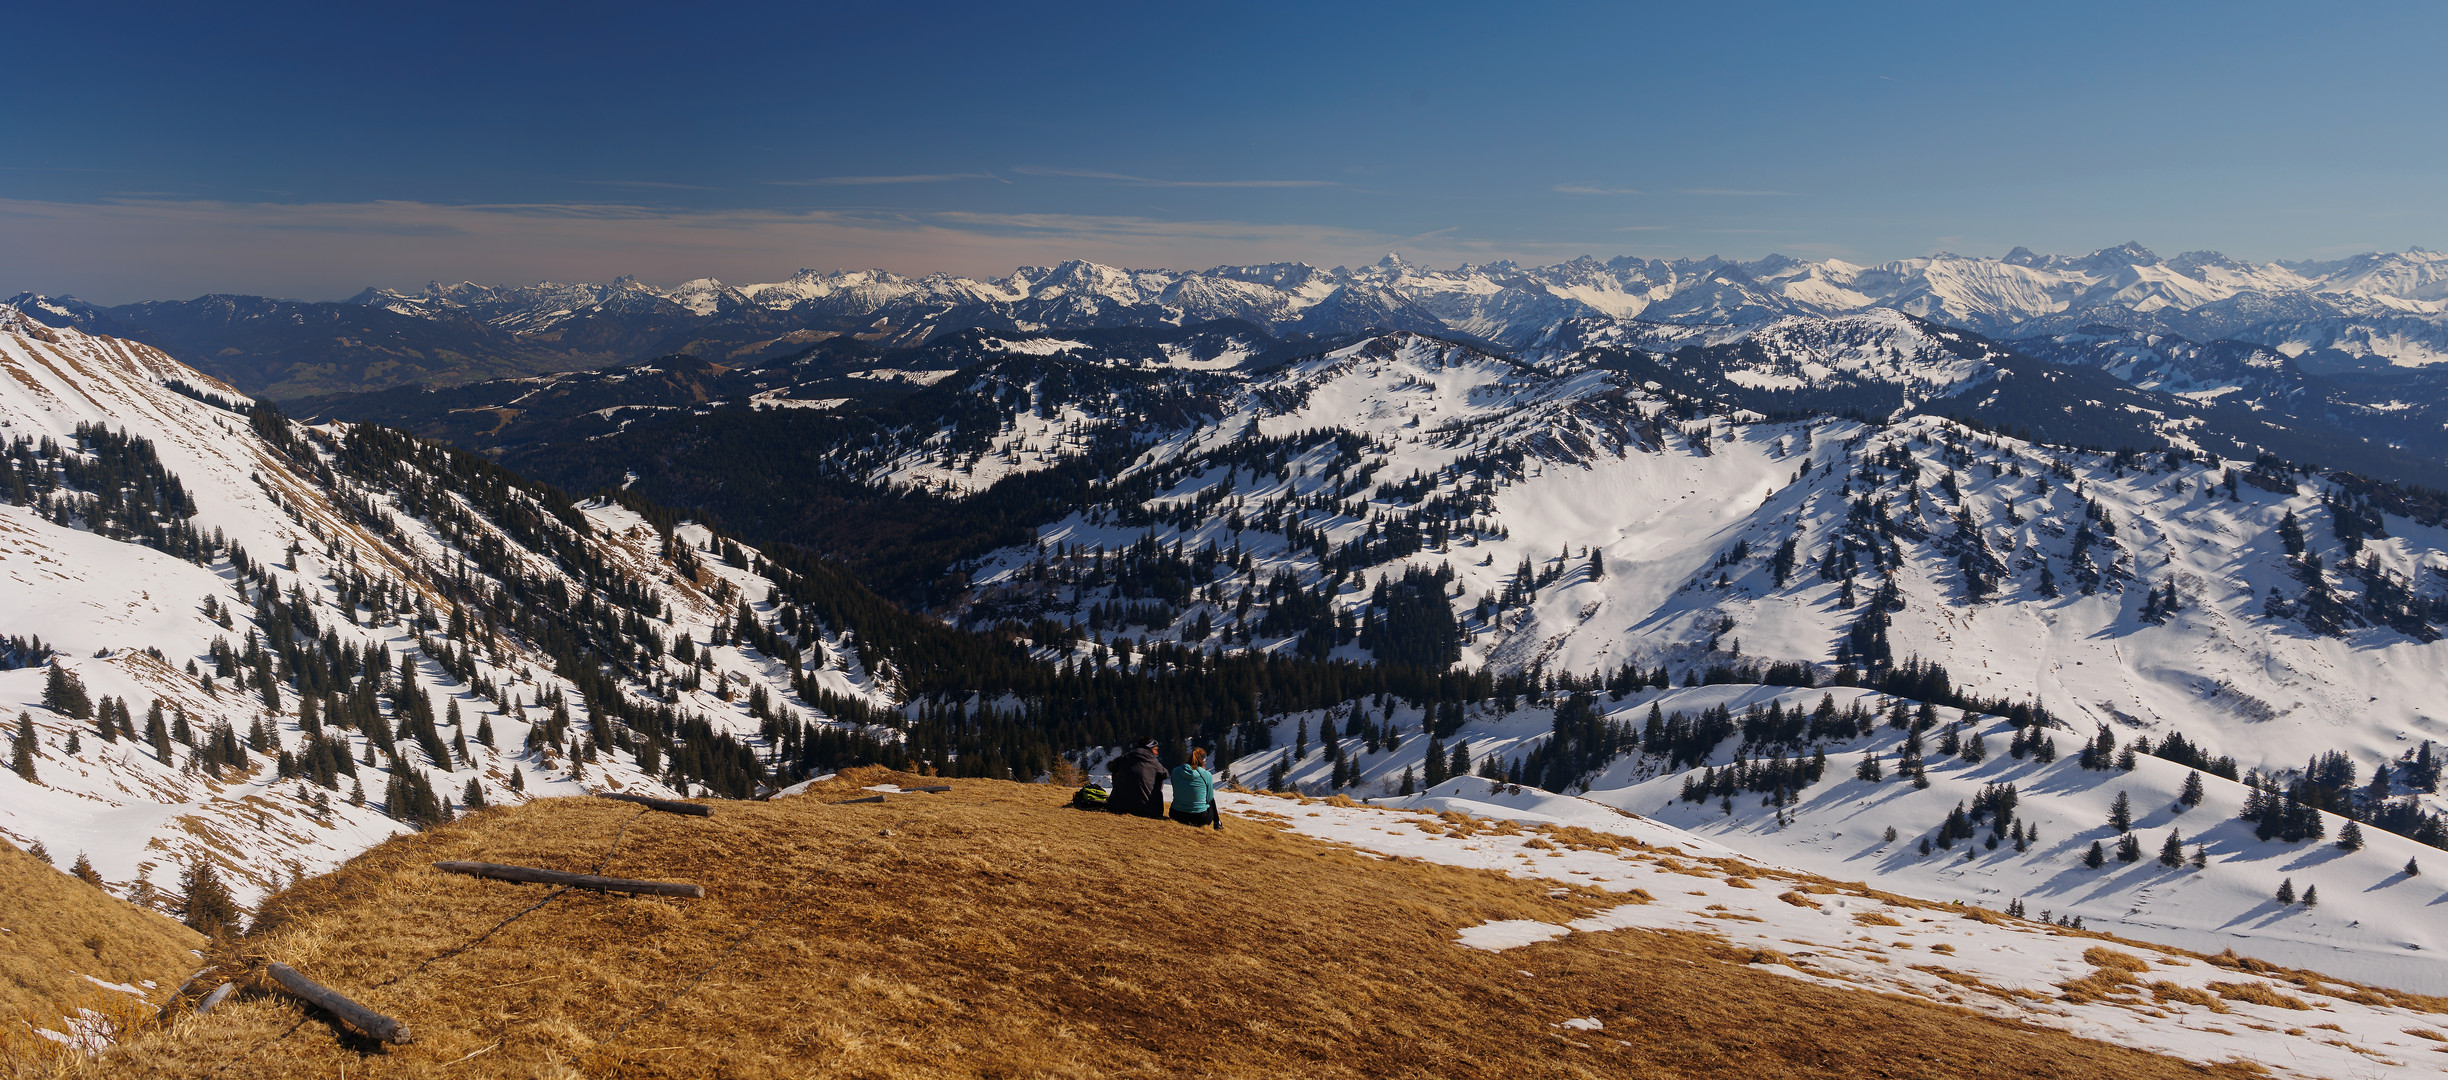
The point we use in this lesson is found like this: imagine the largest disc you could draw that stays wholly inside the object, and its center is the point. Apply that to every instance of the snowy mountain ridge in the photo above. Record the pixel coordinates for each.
(269, 646)
(2360, 309)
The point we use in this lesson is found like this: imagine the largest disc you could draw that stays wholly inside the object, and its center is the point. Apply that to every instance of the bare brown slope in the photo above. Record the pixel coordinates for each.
(991, 932)
(54, 932)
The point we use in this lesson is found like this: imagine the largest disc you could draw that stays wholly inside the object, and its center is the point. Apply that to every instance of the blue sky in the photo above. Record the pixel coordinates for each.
(157, 151)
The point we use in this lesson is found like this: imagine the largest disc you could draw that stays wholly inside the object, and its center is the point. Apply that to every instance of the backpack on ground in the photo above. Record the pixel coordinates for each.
(1090, 797)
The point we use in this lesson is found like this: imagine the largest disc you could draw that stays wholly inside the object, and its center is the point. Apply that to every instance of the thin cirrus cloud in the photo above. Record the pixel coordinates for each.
(873, 181)
(1149, 181)
(1594, 189)
(1727, 191)
(665, 184)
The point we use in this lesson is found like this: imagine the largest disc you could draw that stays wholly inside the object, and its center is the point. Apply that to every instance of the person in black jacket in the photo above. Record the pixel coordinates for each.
(1138, 783)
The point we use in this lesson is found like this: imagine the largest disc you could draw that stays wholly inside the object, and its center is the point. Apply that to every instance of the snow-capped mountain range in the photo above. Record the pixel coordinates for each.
(2384, 308)
(2370, 312)
(1763, 516)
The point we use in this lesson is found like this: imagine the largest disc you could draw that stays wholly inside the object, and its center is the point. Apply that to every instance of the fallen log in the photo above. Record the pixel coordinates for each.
(213, 1000)
(928, 788)
(870, 798)
(534, 876)
(668, 806)
(375, 1025)
(171, 1002)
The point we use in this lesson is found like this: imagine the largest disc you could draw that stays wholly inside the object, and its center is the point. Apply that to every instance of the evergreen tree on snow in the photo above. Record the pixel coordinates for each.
(2350, 838)
(2286, 891)
(2120, 815)
(2096, 857)
(64, 693)
(21, 748)
(2192, 794)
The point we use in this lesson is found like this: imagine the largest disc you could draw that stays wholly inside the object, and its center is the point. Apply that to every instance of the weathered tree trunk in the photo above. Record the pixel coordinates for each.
(668, 806)
(375, 1025)
(533, 876)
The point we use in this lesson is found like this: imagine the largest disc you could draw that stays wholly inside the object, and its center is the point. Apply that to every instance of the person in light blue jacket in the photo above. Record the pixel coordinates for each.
(1194, 801)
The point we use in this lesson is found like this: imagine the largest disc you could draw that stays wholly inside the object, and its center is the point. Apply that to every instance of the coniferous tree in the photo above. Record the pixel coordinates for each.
(2120, 814)
(205, 904)
(2311, 896)
(2129, 848)
(84, 871)
(2286, 891)
(2192, 794)
(1869, 769)
(2201, 856)
(2096, 857)
(2350, 838)
(1410, 783)
(2413, 869)
(64, 693)
(21, 749)
(2171, 854)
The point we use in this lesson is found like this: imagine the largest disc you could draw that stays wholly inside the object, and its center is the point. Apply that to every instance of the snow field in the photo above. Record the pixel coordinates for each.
(1847, 936)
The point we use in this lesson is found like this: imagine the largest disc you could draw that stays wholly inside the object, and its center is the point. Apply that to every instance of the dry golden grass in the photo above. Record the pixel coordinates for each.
(2257, 993)
(2164, 992)
(55, 929)
(989, 932)
(1872, 918)
(2104, 957)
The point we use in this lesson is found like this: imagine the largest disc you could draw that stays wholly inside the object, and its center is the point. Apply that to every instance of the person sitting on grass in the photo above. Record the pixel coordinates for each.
(1194, 800)
(1138, 783)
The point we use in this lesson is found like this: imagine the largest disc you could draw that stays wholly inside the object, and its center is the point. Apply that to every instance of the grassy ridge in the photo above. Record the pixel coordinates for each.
(992, 932)
(54, 932)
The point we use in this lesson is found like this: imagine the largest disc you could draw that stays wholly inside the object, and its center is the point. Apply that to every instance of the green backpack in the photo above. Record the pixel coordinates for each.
(1090, 797)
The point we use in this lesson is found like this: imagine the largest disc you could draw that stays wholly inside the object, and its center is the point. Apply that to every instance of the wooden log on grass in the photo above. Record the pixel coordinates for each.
(375, 1025)
(213, 1000)
(668, 806)
(533, 876)
(870, 798)
(928, 788)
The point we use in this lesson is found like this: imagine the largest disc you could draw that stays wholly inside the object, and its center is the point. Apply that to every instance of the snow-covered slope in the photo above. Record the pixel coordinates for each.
(1831, 928)
(1589, 535)
(316, 552)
